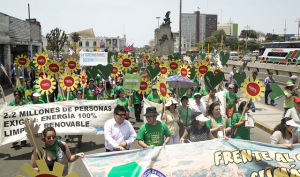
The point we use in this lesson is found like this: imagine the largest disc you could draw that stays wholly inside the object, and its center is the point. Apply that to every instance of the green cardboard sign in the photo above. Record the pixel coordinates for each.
(182, 91)
(244, 65)
(212, 80)
(104, 71)
(276, 93)
(150, 62)
(31, 65)
(193, 72)
(109, 54)
(224, 58)
(116, 56)
(153, 72)
(192, 57)
(170, 57)
(176, 56)
(202, 55)
(132, 81)
(239, 78)
(91, 72)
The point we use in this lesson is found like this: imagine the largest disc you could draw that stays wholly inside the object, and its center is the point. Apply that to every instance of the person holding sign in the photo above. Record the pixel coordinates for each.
(231, 101)
(18, 101)
(28, 90)
(238, 122)
(289, 95)
(54, 151)
(109, 92)
(153, 132)
(137, 102)
(218, 123)
(36, 99)
(91, 90)
(123, 101)
(282, 133)
(63, 97)
(119, 133)
(153, 96)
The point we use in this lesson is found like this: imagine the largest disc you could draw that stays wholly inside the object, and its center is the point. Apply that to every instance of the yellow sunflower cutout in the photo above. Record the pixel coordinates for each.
(54, 68)
(253, 89)
(40, 60)
(22, 60)
(207, 59)
(69, 81)
(164, 71)
(45, 85)
(120, 56)
(72, 65)
(173, 65)
(83, 79)
(162, 89)
(184, 71)
(116, 70)
(145, 86)
(41, 74)
(202, 68)
(156, 63)
(147, 57)
(127, 63)
(58, 170)
(217, 69)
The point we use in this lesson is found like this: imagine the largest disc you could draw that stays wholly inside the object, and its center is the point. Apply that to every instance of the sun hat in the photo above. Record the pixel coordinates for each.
(151, 111)
(231, 86)
(292, 123)
(289, 84)
(154, 87)
(294, 77)
(36, 94)
(170, 102)
(202, 118)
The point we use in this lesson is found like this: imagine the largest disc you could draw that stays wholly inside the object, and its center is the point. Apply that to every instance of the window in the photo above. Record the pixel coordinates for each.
(277, 54)
(95, 43)
(80, 44)
(87, 43)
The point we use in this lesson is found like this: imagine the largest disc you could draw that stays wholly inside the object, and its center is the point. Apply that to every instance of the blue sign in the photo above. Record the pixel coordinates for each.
(231, 37)
(289, 35)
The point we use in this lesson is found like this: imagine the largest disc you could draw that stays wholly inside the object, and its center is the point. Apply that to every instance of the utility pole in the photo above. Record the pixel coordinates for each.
(247, 28)
(30, 43)
(179, 47)
(297, 20)
(158, 21)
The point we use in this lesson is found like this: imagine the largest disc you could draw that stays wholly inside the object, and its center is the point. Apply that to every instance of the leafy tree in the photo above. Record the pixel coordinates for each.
(56, 40)
(232, 44)
(218, 35)
(212, 41)
(272, 37)
(76, 38)
(249, 34)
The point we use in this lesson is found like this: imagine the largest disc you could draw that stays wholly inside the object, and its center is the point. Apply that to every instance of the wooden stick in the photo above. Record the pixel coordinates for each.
(68, 95)
(4, 71)
(2, 92)
(245, 107)
(33, 139)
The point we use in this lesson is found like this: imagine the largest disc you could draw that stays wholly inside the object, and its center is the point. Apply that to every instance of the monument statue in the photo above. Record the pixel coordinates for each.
(167, 19)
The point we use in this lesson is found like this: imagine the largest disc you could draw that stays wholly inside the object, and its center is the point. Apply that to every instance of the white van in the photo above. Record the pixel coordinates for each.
(234, 56)
(255, 53)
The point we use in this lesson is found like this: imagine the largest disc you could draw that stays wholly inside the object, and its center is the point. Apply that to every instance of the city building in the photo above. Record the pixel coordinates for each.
(230, 28)
(196, 27)
(18, 37)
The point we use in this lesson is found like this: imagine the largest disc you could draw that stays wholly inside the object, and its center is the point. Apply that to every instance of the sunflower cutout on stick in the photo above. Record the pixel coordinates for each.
(217, 69)
(83, 79)
(162, 89)
(207, 59)
(202, 68)
(253, 89)
(127, 63)
(72, 65)
(40, 60)
(120, 56)
(184, 71)
(116, 70)
(41, 74)
(156, 63)
(22, 60)
(54, 68)
(147, 57)
(45, 85)
(145, 86)
(69, 81)
(164, 71)
(173, 65)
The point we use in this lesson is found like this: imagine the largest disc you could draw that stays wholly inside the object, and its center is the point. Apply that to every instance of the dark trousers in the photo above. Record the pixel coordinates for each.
(137, 111)
(266, 96)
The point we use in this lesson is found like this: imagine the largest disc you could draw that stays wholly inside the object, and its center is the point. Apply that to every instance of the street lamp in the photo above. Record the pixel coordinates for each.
(180, 28)
(297, 20)
(158, 21)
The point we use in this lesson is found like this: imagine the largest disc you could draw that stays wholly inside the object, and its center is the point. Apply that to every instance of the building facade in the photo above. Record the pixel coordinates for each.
(230, 28)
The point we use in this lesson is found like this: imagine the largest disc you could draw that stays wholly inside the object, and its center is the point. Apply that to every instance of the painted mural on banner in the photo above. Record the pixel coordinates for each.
(212, 158)
(93, 58)
(68, 117)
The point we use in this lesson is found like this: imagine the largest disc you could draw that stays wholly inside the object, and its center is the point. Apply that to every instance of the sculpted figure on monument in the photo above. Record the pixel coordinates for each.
(167, 19)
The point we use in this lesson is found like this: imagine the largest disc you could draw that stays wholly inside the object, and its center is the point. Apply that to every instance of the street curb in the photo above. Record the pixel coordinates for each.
(264, 127)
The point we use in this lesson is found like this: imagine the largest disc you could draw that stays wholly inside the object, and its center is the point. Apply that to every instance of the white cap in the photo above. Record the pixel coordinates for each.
(197, 94)
(201, 118)
(36, 94)
(21, 77)
(170, 102)
(292, 123)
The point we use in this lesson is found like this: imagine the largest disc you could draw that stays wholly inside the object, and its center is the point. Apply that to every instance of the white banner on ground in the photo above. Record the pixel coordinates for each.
(69, 118)
(93, 58)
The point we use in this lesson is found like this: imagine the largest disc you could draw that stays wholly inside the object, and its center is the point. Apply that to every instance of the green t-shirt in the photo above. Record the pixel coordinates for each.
(136, 98)
(89, 93)
(124, 102)
(185, 115)
(119, 87)
(288, 102)
(219, 121)
(205, 91)
(60, 97)
(153, 134)
(231, 100)
(154, 98)
(105, 97)
(17, 103)
(37, 102)
(191, 95)
(242, 132)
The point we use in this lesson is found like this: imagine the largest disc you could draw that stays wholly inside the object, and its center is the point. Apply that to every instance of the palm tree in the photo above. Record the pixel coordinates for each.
(76, 38)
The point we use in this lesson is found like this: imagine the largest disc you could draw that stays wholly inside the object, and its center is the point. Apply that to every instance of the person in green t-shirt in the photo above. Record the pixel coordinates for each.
(109, 93)
(28, 90)
(289, 95)
(18, 101)
(91, 91)
(64, 97)
(136, 100)
(153, 132)
(101, 88)
(219, 124)
(119, 86)
(185, 112)
(36, 99)
(154, 97)
(242, 131)
(231, 101)
(123, 101)
(189, 93)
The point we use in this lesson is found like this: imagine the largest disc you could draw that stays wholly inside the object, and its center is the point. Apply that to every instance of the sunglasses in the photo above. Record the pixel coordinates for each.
(49, 137)
(121, 115)
(79, 93)
(17, 94)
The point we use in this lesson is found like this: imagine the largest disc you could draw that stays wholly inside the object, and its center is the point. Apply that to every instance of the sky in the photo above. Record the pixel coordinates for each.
(137, 18)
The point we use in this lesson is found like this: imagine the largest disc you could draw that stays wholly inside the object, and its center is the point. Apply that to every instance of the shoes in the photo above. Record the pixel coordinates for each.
(253, 109)
(78, 145)
(139, 120)
(273, 104)
(13, 145)
(23, 143)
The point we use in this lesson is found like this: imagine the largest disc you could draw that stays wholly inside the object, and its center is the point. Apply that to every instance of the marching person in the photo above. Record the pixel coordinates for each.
(289, 95)
(137, 102)
(211, 98)
(54, 151)
(18, 101)
(118, 132)
(123, 101)
(198, 105)
(268, 81)
(79, 97)
(242, 131)
(108, 93)
(231, 101)
(153, 132)
(185, 112)
(153, 96)
(91, 91)
(294, 112)
(64, 97)
(35, 97)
